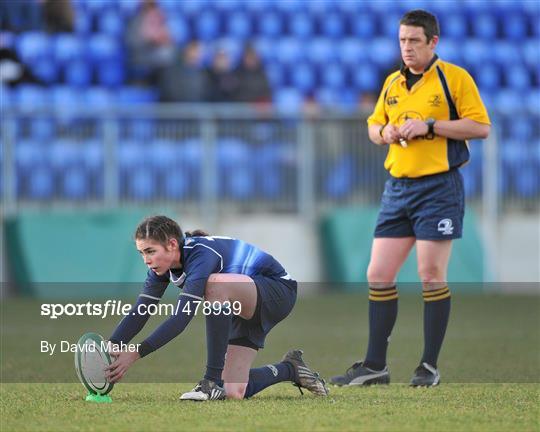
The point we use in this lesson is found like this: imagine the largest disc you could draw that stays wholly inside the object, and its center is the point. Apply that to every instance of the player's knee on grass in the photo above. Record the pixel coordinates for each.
(236, 390)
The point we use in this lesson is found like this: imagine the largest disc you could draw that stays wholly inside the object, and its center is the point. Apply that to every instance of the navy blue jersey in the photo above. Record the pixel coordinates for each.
(200, 257)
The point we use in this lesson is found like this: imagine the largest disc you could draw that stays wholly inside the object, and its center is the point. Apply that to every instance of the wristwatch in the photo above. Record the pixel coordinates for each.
(430, 122)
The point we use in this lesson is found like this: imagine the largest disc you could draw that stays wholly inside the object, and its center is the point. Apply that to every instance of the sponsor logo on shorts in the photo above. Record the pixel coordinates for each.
(445, 227)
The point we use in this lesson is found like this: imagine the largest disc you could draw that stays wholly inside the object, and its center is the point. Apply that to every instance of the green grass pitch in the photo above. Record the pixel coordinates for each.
(490, 367)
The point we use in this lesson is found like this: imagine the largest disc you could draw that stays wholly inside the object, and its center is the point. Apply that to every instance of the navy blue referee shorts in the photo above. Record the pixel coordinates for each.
(275, 300)
(428, 208)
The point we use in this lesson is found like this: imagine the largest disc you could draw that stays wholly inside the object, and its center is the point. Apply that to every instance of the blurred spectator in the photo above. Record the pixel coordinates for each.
(223, 79)
(184, 80)
(253, 85)
(149, 42)
(12, 70)
(20, 15)
(58, 16)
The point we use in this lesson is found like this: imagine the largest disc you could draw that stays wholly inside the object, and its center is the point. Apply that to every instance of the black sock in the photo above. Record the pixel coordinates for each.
(436, 313)
(268, 375)
(383, 308)
(218, 327)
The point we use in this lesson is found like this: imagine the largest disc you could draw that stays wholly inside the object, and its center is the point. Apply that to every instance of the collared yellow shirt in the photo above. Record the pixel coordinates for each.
(445, 92)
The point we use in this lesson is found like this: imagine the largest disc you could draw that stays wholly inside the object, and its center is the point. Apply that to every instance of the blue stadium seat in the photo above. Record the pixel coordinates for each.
(517, 77)
(533, 101)
(352, 51)
(332, 25)
(364, 26)
(83, 23)
(132, 155)
(389, 29)
(141, 185)
(333, 76)
(46, 70)
(29, 96)
(65, 154)
(42, 128)
(75, 184)
(275, 164)
(136, 95)
(384, 52)
(328, 97)
(476, 52)
(520, 129)
(68, 47)
(319, 50)
(93, 157)
(488, 77)
(303, 77)
(289, 6)
(98, 98)
(276, 75)
(103, 48)
(265, 48)
(235, 170)
(450, 51)
(111, 23)
(341, 179)
(270, 24)
(531, 53)
(505, 53)
(39, 184)
(179, 28)
(65, 98)
(184, 179)
(454, 25)
(515, 27)
(78, 73)
(509, 102)
(239, 25)
(207, 26)
(288, 100)
(289, 50)
(301, 25)
(485, 26)
(32, 46)
(111, 73)
(366, 78)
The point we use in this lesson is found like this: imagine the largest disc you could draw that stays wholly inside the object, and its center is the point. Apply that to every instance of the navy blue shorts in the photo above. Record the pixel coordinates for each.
(428, 208)
(275, 300)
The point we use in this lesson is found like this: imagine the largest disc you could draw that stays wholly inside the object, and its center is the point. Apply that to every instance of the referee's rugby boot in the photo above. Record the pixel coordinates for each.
(205, 390)
(425, 375)
(304, 377)
(358, 374)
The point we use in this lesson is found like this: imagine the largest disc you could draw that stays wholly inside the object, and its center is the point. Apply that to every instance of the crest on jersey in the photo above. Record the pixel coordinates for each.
(435, 100)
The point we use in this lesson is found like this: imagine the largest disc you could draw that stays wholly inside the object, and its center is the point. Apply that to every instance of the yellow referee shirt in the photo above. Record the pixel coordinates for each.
(445, 92)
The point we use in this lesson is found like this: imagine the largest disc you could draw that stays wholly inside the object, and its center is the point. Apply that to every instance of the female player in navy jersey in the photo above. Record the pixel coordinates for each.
(242, 291)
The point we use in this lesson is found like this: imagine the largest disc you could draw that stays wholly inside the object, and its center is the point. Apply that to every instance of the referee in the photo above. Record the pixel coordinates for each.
(425, 114)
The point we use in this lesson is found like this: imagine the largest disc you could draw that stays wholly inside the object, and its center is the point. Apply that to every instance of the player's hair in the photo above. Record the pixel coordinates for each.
(422, 18)
(161, 229)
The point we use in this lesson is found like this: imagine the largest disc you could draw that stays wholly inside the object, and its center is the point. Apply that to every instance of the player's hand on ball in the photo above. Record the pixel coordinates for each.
(413, 128)
(390, 134)
(123, 361)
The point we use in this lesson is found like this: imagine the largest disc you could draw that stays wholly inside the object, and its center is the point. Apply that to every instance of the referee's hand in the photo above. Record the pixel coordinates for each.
(390, 134)
(413, 128)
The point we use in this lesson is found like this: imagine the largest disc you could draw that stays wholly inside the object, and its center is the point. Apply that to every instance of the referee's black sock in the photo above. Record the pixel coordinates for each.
(218, 328)
(383, 308)
(436, 314)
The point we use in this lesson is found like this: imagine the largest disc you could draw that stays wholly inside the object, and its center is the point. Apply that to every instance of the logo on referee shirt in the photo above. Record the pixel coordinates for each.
(445, 227)
(435, 100)
(392, 100)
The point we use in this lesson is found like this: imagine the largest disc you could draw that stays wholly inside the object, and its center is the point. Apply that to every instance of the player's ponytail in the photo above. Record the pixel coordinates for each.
(159, 229)
(197, 233)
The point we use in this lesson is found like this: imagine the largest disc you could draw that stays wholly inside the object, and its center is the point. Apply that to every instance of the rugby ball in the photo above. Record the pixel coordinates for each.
(91, 357)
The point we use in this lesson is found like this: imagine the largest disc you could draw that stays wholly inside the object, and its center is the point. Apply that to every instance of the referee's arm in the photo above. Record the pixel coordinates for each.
(383, 134)
(462, 129)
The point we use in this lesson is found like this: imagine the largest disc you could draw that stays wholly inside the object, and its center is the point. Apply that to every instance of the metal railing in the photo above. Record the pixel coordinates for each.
(213, 159)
